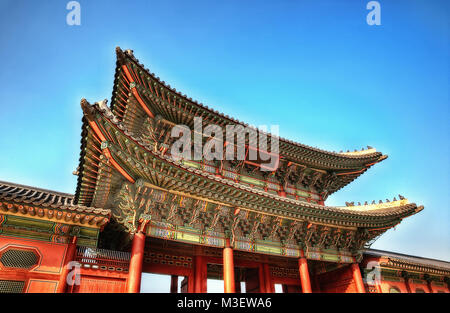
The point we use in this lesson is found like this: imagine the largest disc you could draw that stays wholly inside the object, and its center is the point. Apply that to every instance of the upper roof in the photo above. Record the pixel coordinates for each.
(167, 100)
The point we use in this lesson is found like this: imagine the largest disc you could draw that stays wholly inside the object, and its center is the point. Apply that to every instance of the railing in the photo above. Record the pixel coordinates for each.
(103, 259)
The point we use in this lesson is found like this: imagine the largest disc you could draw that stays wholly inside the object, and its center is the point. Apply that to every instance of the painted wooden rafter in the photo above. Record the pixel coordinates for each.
(88, 111)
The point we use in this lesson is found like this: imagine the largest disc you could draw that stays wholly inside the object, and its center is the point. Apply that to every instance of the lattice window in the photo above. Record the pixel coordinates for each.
(11, 286)
(19, 259)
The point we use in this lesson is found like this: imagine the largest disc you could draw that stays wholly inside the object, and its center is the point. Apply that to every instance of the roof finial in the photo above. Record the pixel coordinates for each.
(87, 108)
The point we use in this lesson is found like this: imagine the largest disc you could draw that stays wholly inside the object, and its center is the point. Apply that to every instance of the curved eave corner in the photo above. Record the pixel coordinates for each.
(401, 208)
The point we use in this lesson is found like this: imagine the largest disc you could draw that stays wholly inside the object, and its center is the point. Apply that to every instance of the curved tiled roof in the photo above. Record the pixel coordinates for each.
(370, 155)
(26, 195)
(392, 211)
(405, 261)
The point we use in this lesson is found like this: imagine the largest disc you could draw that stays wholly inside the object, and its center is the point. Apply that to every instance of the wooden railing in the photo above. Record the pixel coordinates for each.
(103, 259)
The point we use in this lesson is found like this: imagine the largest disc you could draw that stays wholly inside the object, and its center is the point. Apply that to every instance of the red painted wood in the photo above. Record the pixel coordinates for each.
(262, 279)
(44, 276)
(165, 269)
(252, 280)
(358, 278)
(228, 268)
(200, 272)
(268, 279)
(25, 276)
(304, 274)
(285, 281)
(191, 281)
(100, 284)
(339, 280)
(135, 269)
(174, 284)
(70, 256)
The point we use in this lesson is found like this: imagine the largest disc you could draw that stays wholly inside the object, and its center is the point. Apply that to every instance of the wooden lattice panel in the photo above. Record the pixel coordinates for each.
(19, 258)
(11, 286)
(277, 271)
(151, 257)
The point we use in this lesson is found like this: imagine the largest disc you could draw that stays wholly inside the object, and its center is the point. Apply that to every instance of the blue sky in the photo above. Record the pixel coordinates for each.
(313, 67)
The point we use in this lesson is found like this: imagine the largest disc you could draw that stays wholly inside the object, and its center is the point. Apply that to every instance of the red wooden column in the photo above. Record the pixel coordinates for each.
(200, 274)
(70, 256)
(304, 273)
(262, 279)
(137, 257)
(174, 284)
(358, 278)
(268, 278)
(228, 268)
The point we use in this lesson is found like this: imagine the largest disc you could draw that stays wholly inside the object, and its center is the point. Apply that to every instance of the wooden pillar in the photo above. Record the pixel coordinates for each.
(200, 273)
(137, 257)
(357, 278)
(186, 286)
(304, 273)
(262, 279)
(69, 257)
(174, 284)
(268, 278)
(228, 268)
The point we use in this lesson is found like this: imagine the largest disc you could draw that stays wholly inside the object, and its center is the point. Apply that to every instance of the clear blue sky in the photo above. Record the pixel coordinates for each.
(313, 67)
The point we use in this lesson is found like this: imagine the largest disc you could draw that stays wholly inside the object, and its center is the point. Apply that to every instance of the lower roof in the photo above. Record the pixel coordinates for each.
(22, 196)
(407, 260)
